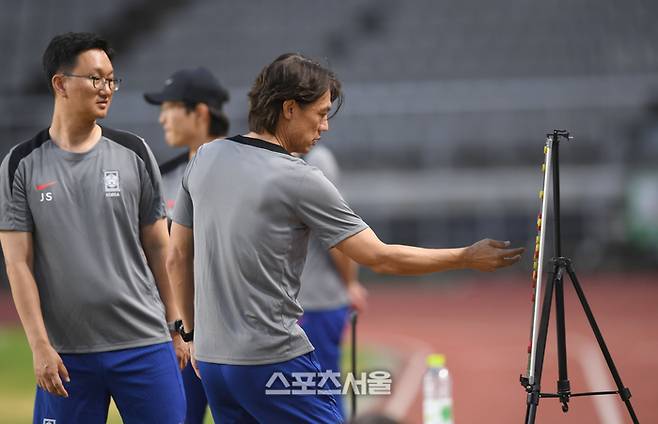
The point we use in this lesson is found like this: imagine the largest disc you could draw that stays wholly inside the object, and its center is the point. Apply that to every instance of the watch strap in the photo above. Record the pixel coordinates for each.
(187, 337)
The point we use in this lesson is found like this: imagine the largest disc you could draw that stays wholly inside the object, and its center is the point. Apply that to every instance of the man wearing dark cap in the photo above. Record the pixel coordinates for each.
(191, 114)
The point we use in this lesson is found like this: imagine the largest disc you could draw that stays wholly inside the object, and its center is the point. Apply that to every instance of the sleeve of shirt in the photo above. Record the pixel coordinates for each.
(151, 201)
(15, 214)
(184, 208)
(323, 209)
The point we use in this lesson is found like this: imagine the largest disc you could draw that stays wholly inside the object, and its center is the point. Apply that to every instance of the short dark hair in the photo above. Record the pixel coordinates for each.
(290, 77)
(219, 123)
(63, 50)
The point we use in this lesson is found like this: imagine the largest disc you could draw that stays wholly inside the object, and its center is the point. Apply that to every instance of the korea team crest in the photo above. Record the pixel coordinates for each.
(112, 183)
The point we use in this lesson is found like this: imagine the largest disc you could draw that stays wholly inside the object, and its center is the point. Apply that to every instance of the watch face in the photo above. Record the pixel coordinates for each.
(175, 325)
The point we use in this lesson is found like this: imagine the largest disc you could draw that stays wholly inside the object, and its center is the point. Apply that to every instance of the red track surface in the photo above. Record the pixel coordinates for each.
(483, 327)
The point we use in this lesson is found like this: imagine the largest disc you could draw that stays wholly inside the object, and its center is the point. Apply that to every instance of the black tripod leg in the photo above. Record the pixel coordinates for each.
(563, 386)
(624, 392)
(534, 389)
(353, 399)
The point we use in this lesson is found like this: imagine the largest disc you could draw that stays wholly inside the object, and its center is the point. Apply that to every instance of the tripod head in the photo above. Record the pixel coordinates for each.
(557, 134)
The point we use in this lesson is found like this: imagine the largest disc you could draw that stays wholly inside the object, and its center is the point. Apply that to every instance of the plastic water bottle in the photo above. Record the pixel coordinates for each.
(437, 392)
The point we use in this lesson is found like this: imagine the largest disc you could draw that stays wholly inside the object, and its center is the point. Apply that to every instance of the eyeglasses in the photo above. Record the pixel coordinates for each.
(100, 82)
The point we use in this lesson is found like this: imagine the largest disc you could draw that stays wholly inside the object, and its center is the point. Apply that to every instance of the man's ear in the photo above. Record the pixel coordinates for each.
(202, 109)
(203, 115)
(287, 108)
(57, 82)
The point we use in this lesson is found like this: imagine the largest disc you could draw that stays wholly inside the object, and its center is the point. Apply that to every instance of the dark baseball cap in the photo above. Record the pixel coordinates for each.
(193, 86)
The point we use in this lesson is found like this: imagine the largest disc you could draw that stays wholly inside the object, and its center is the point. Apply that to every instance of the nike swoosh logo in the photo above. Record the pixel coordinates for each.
(45, 186)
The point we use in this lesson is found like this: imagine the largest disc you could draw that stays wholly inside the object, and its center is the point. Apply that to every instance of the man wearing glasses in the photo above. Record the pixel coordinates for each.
(84, 237)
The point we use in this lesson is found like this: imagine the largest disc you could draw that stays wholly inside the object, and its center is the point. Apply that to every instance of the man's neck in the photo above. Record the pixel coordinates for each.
(265, 136)
(74, 135)
(195, 146)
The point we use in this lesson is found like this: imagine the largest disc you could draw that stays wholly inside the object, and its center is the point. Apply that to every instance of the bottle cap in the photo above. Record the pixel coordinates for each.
(436, 360)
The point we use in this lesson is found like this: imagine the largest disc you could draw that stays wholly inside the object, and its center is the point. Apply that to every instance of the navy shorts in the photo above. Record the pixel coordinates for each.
(241, 393)
(196, 397)
(324, 329)
(144, 382)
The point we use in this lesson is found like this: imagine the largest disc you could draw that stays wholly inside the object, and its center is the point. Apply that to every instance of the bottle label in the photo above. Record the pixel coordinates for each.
(437, 411)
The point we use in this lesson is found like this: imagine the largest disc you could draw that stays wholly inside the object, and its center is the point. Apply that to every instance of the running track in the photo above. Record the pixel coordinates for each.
(483, 325)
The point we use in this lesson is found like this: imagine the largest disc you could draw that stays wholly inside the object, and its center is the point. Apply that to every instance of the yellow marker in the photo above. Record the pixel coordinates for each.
(543, 167)
(541, 194)
(545, 149)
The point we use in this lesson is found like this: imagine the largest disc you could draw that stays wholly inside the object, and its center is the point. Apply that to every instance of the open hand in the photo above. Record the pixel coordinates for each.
(490, 255)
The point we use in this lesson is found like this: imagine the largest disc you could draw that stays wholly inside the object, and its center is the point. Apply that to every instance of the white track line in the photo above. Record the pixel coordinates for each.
(408, 382)
(598, 378)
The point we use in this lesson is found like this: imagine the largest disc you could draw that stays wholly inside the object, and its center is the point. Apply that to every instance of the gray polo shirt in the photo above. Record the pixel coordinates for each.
(251, 206)
(322, 286)
(172, 173)
(85, 211)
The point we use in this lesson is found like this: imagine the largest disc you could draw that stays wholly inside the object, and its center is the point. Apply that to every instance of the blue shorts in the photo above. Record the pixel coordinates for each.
(144, 382)
(239, 393)
(196, 397)
(324, 329)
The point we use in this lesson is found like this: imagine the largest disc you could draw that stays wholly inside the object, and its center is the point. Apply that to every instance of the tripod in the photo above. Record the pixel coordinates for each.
(555, 284)
(353, 318)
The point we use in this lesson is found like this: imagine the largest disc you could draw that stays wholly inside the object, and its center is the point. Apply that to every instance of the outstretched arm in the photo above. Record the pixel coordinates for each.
(485, 255)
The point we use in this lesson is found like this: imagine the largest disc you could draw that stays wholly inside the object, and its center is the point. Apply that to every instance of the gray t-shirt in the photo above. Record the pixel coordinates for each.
(85, 211)
(251, 206)
(172, 173)
(322, 286)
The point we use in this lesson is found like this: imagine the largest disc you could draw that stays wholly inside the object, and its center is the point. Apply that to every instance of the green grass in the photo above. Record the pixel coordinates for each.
(17, 377)
(17, 387)
(17, 381)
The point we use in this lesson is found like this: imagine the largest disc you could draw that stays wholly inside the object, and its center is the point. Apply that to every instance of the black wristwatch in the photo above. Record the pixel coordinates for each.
(174, 326)
(187, 337)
